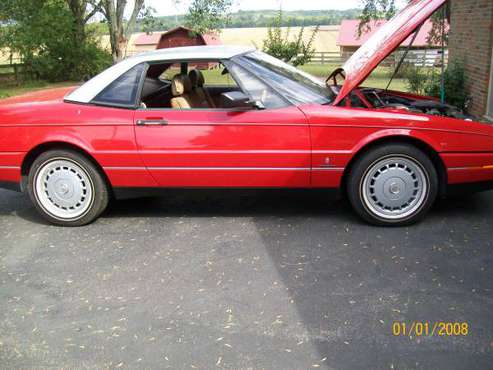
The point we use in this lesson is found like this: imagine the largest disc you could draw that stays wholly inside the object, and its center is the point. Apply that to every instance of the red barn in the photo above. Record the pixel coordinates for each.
(182, 36)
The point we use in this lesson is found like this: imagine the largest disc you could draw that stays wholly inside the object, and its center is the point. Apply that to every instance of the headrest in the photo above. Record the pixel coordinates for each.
(196, 78)
(180, 84)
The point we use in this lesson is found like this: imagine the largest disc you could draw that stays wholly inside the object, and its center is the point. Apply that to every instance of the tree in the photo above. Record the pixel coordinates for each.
(119, 29)
(262, 18)
(82, 12)
(454, 80)
(147, 20)
(375, 10)
(386, 9)
(42, 33)
(205, 16)
(295, 51)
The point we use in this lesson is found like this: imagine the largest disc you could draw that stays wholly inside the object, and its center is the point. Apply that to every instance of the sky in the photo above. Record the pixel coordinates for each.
(167, 7)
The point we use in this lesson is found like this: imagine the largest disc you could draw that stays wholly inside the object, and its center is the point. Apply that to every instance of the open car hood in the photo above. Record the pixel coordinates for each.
(384, 42)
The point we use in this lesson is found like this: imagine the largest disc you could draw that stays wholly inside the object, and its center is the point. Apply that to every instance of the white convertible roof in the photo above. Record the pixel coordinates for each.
(87, 92)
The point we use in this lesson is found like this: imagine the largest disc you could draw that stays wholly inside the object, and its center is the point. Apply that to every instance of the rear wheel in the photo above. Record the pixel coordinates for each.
(394, 184)
(67, 188)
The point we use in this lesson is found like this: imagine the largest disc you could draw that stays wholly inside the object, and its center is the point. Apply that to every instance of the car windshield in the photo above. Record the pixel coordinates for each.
(296, 85)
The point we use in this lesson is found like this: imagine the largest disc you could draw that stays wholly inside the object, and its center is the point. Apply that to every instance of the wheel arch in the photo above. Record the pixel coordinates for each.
(401, 139)
(32, 154)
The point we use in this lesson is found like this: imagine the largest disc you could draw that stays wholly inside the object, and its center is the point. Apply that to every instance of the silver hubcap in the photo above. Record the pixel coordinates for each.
(64, 189)
(394, 187)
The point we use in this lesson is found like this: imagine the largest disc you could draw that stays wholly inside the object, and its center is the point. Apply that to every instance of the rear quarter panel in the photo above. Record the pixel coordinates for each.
(107, 134)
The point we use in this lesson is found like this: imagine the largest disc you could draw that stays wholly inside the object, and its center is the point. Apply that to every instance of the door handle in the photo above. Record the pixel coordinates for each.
(152, 122)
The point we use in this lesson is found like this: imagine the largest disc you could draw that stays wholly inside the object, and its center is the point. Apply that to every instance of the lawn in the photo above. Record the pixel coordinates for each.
(13, 90)
(379, 78)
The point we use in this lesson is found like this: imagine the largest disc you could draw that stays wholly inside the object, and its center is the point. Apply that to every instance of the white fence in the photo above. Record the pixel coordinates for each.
(418, 57)
(424, 58)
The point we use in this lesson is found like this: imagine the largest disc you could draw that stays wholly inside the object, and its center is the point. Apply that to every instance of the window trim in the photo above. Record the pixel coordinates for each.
(266, 82)
(136, 104)
(238, 59)
(181, 62)
(137, 95)
(226, 63)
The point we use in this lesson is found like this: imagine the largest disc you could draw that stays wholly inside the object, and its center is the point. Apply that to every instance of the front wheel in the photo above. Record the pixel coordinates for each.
(394, 184)
(67, 188)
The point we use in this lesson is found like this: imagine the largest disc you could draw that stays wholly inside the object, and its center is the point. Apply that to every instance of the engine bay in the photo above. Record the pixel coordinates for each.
(379, 98)
(374, 98)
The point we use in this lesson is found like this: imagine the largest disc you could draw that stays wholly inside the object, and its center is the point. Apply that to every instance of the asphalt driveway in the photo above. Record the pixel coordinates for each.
(235, 280)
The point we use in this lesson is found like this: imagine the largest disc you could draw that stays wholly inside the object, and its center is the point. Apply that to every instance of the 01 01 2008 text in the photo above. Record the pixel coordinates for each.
(426, 329)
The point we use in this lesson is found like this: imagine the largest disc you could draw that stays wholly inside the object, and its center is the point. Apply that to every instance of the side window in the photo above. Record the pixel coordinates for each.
(203, 82)
(171, 71)
(218, 76)
(258, 90)
(122, 91)
(215, 74)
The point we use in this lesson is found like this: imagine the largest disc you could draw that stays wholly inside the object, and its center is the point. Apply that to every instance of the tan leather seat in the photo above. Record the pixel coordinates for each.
(201, 96)
(181, 88)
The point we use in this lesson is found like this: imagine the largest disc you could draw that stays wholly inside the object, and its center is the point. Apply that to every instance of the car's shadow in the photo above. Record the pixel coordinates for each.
(241, 203)
(229, 203)
(19, 205)
(248, 203)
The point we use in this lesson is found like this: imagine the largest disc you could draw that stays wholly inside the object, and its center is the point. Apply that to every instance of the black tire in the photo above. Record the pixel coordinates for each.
(99, 189)
(356, 183)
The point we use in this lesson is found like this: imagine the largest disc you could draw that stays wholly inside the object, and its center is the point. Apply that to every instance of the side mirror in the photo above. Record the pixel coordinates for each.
(237, 99)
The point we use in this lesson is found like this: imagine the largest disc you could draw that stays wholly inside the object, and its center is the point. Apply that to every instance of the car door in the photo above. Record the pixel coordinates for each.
(226, 147)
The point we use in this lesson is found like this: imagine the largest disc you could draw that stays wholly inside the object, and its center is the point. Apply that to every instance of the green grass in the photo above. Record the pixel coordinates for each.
(6, 69)
(28, 86)
(214, 77)
(379, 78)
(319, 70)
(211, 76)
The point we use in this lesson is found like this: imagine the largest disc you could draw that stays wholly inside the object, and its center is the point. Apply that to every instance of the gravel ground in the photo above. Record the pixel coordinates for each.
(244, 280)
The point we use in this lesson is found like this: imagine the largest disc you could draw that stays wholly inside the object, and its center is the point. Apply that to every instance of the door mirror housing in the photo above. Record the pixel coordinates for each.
(238, 99)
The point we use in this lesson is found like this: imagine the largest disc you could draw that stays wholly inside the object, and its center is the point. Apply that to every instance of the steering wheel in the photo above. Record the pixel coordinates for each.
(339, 72)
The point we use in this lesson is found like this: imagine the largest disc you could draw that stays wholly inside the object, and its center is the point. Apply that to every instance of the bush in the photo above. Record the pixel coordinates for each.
(455, 85)
(403, 72)
(417, 79)
(94, 61)
(296, 52)
(427, 81)
(67, 63)
(46, 37)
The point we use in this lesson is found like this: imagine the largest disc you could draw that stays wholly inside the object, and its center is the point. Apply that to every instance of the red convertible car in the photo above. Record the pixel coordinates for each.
(156, 121)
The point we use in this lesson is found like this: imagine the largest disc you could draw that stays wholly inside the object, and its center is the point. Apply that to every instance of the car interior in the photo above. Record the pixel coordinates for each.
(186, 85)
